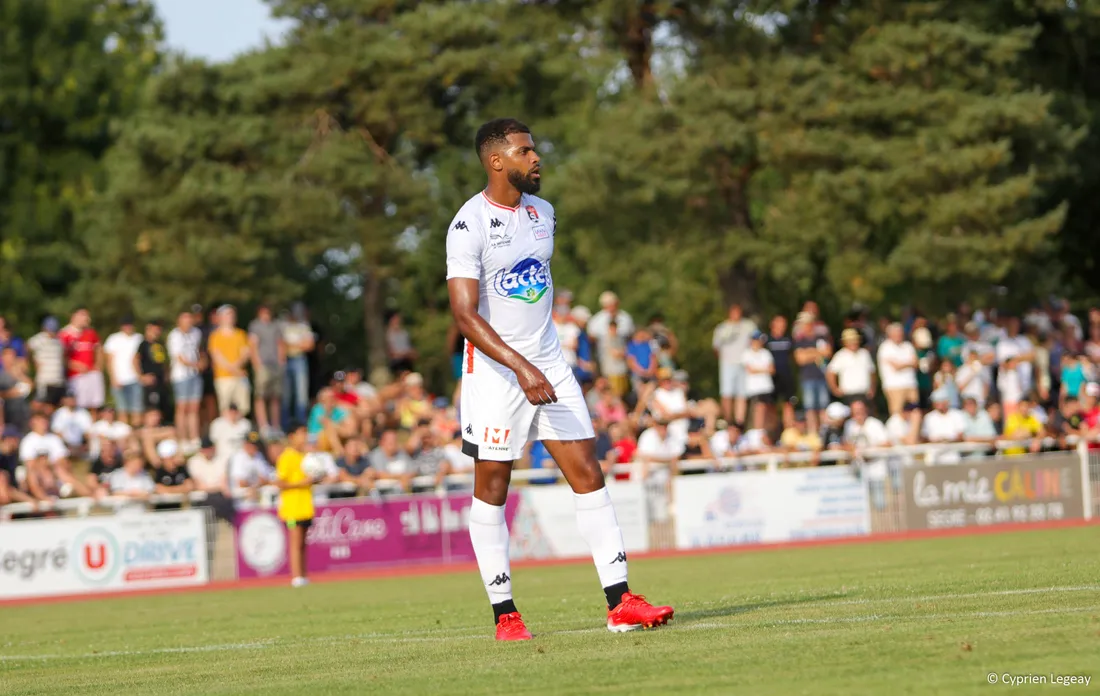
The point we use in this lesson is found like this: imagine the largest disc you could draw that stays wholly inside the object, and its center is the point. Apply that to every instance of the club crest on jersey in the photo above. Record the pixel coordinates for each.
(527, 281)
(532, 213)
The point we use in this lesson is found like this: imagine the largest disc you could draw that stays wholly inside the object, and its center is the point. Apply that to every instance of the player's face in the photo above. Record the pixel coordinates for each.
(522, 163)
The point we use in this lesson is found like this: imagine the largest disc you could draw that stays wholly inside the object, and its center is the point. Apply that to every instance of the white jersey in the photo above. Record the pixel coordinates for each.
(508, 250)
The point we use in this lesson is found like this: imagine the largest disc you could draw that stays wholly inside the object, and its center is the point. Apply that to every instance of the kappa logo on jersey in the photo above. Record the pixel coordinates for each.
(460, 225)
(528, 281)
(532, 213)
(495, 224)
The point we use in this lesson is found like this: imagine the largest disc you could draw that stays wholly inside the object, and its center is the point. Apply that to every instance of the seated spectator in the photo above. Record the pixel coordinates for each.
(72, 423)
(108, 427)
(1090, 410)
(427, 456)
(942, 424)
(974, 378)
(609, 406)
(9, 464)
(109, 460)
(832, 432)
(863, 430)
(725, 442)
(48, 471)
(641, 359)
(1022, 425)
(390, 462)
(414, 404)
(209, 472)
(248, 469)
(1068, 422)
(354, 464)
(461, 463)
(945, 379)
(611, 351)
(754, 441)
(657, 445)
(329, 421)
(131, 481)
(623, 448)
(228, 432)
(170, 474)
(798, 438)
(759, 367)
(905, 428)
(1073, 376)
(977, 425)
(538, 458)
(697, 445)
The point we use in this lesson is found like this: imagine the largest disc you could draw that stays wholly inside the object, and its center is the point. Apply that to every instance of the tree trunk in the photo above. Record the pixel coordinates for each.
(374, 322)
(739, 283)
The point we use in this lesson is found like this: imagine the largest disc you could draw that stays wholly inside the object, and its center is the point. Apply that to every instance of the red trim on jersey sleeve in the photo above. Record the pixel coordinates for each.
(498, 205)
(469, 358)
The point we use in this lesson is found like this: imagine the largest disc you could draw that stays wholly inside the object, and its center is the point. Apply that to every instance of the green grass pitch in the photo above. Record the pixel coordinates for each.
(931, 616)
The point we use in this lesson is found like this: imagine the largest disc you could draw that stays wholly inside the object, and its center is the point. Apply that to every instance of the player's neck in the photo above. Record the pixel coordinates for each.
(503, 193)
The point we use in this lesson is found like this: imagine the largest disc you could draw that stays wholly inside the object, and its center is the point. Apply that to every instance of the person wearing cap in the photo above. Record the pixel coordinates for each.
(609, 311)
(730, 342)
(186, 355)
(9, 463)
(295, 500)
(832, 432)
(268, 352)
(942, 423)
(48, 357)
(759, 366)
(229, 354)
(84, 360)
(300, 341)
(121, 351)
(897, 368)
(248, 468)
(851, 372)
(169, 472)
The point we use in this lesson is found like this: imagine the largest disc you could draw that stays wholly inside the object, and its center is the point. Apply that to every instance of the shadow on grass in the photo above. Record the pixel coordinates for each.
(737, 609)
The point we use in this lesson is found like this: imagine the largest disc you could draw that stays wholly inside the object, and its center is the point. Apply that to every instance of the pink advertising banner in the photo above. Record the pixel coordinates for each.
(363, 534)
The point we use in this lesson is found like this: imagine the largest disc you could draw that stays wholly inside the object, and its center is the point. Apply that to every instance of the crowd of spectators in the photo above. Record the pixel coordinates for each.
(203, 405)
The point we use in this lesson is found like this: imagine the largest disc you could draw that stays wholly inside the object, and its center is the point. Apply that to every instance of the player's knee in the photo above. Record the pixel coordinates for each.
(590, 479)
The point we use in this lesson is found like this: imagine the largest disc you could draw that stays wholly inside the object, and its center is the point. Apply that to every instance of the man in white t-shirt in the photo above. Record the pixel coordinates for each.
(863, 430)
(124, 371)
(248, 469)
(897, 369)
(1014, 356)
(974, 378)
(228, 432)
(47, 470)
(184, 346)
(72, 423)
(108, 427)
(657, 445)
(609, 311)
(759, 366)
(730, 342)
(942, 424)
(851, 372)
(568, 332)
(905, 428)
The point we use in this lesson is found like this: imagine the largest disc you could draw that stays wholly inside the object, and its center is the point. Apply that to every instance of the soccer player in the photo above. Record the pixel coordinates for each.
(295, 500)
(516, 383)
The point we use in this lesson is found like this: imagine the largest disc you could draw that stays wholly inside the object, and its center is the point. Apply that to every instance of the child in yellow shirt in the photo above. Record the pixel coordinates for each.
(295, 500)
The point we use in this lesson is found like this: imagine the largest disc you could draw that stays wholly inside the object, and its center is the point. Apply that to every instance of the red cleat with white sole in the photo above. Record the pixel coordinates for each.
(634, 612)
(510, 627)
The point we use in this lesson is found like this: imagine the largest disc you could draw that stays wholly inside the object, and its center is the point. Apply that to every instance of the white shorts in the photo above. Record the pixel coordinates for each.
(88, 389)
(498, 421)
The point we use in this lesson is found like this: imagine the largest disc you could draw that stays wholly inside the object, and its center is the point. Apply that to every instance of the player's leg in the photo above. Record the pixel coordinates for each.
(296, 533)
(565, 429)
(496, 418)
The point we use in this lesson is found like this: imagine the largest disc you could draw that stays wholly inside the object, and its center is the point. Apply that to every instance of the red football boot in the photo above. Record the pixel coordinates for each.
(510, 627)
(634, 612)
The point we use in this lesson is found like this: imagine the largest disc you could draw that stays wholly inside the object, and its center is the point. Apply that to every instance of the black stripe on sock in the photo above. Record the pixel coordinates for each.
(505, 607)
(615, 594)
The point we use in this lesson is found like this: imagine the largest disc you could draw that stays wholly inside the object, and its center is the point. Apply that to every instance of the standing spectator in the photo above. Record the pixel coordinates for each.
(15, 387)
(609, 312)
(950, 345)
(945, 379)
(84, 360)
(1014, 355)
(268, 351)
(897, 368)
(851, 372)
(1073, 376)
(153, 364)
(229, 353)
(1092, 346)
(585, 370)
(781, 347)
(568, 332)
(926, 357)
(759, 366)
(974, 379)
(121, 349)
(185, 354)
(612, 353)
(300, 341)
(730, 342)
(399, 347)
(48, 357)
(641, 359)
(667, 342)
(206, 324)
(811, 351)
(10, 340)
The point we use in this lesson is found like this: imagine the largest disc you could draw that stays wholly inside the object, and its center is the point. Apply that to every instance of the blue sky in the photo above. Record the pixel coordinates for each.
(217, 29)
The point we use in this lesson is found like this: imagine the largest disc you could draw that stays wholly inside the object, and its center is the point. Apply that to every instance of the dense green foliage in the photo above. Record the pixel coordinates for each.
(698, 152)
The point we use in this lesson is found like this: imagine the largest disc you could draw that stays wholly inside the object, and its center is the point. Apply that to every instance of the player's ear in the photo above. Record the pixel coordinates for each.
(496, 163)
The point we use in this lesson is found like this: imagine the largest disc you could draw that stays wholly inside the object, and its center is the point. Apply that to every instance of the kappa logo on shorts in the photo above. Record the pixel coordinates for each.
(469, 429)
(497, 437)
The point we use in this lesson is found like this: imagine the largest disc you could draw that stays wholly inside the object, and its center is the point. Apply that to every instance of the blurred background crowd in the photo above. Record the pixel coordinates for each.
(202, 402)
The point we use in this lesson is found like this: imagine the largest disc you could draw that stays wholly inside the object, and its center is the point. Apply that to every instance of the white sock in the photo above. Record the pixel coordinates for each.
(489, 534)
(597, 524)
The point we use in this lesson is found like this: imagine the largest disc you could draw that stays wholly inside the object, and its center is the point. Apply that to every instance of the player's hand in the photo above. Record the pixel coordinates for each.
(535, 385)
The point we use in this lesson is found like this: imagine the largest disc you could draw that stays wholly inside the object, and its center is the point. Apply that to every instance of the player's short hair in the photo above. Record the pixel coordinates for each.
(496, 132)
